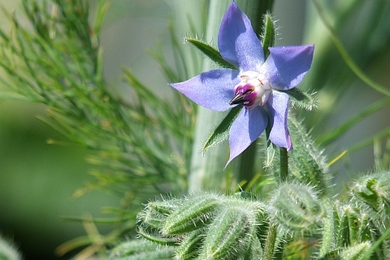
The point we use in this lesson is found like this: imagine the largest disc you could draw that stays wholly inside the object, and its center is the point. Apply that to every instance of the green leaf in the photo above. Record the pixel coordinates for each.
(222, 131)
(210, 52)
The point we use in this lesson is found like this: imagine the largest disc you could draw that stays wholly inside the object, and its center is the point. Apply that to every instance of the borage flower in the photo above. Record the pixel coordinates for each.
(257, 85)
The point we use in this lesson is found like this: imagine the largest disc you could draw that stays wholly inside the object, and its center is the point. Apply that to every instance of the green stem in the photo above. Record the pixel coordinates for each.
(270, 242)
(206, 171)
(283, 164)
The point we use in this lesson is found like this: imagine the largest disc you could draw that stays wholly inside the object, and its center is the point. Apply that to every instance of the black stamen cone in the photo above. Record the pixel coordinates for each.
(237, 99)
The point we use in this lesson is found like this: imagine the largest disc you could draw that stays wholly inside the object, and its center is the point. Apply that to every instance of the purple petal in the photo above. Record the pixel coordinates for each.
(212, 89)
(278, 108)
(286, 65)
(237, 41)
(247, 127)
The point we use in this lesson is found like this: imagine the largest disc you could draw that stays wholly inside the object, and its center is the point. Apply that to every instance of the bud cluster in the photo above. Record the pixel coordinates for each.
(208, 226)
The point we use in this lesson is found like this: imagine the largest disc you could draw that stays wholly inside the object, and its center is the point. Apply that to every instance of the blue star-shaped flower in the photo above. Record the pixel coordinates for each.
(258, 85)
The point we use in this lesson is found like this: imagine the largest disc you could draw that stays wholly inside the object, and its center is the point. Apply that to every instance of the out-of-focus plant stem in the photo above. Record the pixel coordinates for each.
(207, 171)
(283, 164)
(188, 18)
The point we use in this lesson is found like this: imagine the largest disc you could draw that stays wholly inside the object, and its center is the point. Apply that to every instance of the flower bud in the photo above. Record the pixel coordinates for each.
(190, 246)
(347, 225)
(141, 249)
(229, 235)
(374, 191)
(296, 207)
(192, 215)
(356, 252)
(156, 212)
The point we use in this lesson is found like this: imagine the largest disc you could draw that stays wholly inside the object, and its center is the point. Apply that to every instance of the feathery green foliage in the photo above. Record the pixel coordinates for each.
(59, 65)
(136, 147)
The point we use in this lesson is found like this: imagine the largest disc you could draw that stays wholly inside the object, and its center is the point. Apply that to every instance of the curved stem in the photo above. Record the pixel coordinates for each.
(347, 59)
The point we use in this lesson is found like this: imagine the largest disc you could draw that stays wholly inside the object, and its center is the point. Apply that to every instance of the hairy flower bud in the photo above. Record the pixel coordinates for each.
(229, 234)
(374, 191)
(296, 207)
(190, 246)
(141, 249)
(156, 212)
(357, 251)
(347, 225)
(193, 214)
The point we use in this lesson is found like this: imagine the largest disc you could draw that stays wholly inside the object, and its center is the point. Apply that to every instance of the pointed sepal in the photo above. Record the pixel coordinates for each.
(210, 52)
(268, 37)
(221, 132)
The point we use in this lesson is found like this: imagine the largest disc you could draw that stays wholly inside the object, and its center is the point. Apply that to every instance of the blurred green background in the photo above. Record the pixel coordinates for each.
(37, 180)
